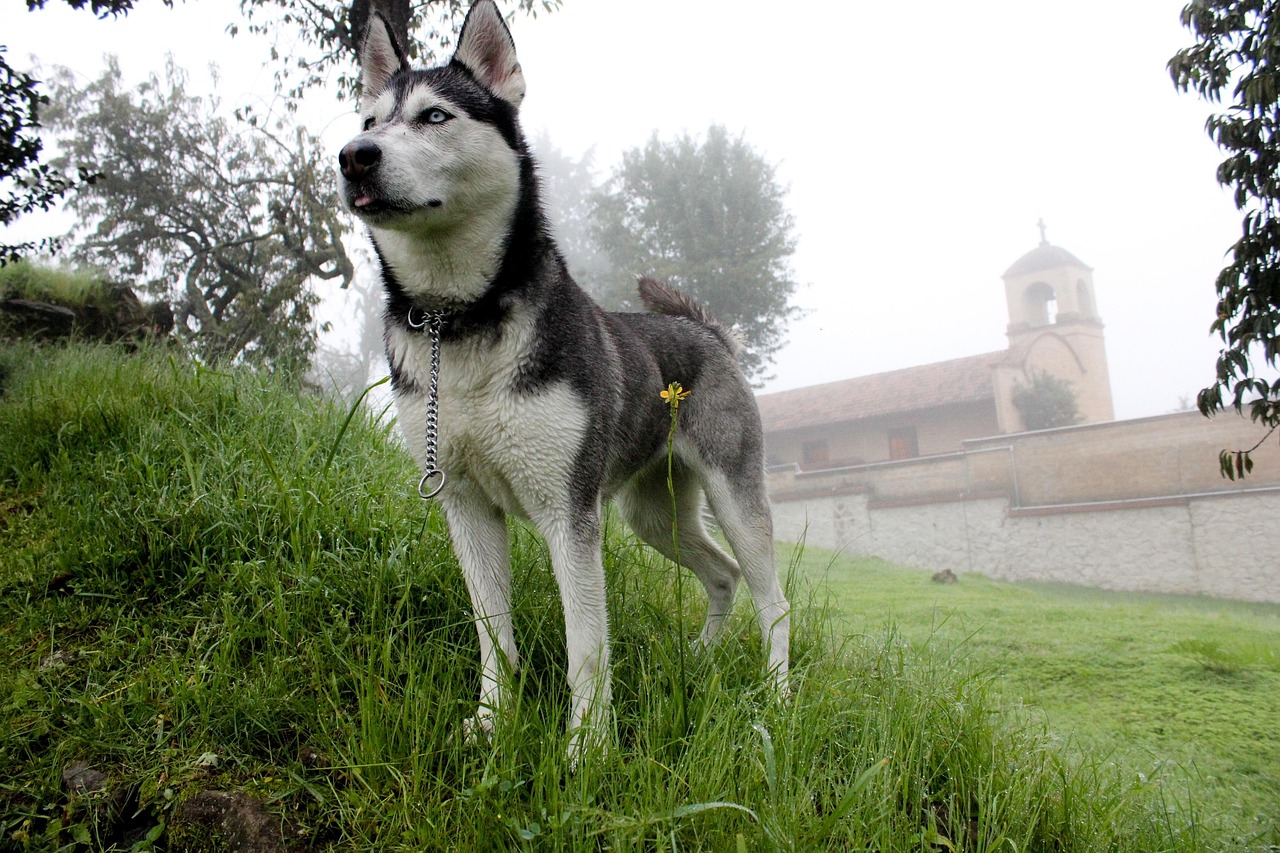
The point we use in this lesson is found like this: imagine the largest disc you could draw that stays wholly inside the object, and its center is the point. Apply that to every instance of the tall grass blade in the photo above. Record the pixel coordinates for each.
(346, 422)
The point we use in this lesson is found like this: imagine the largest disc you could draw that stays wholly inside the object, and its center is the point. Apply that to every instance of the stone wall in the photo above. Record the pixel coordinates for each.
(1121, 506)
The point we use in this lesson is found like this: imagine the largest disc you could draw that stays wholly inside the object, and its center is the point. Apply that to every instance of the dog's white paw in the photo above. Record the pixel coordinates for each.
(478, 729)
(592, 739)
(584, 741)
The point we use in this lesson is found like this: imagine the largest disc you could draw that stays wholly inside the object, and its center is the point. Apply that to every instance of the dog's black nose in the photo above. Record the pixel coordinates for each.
(357, 159)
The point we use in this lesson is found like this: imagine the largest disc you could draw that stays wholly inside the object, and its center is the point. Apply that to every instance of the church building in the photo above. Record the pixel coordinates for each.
(1054, 329)
(933, 467)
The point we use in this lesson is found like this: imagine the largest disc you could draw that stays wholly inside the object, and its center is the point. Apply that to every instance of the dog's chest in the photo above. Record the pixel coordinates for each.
(517, 445)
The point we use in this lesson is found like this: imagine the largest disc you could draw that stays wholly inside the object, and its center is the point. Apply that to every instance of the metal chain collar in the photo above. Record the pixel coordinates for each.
(433, 478)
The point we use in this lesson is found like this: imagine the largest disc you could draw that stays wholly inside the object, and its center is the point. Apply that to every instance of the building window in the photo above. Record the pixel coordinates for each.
(815, 454)
(903, 444)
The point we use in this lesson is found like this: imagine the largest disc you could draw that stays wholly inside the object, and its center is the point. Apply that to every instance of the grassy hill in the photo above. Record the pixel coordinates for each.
(226, 621)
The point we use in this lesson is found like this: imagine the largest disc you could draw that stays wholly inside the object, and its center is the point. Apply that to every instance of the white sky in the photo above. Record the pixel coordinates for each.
(920, 142)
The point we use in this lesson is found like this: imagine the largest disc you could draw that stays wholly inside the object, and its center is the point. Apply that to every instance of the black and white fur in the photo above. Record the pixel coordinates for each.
(548, 404)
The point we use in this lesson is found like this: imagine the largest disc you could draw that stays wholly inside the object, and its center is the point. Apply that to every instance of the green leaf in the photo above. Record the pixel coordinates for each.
(698, 808)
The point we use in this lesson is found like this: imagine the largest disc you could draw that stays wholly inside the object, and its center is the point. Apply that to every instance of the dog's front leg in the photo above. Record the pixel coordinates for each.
(479, 533)
(575, 545)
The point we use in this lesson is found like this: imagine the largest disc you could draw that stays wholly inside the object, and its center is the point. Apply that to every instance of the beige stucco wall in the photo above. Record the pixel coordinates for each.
(1160, 456)
(858, 442)
(1133, 505)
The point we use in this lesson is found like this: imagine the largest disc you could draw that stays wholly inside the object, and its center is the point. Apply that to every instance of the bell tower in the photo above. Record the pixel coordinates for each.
(1054, 328)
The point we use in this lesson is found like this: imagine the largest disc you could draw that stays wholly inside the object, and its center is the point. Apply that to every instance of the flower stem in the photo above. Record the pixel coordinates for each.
(673, 395)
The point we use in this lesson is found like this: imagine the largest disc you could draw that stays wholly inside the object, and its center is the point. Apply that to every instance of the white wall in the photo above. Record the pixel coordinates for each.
(1219, 545)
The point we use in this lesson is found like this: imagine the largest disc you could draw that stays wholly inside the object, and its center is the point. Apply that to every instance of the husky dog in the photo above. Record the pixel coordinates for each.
(548, 405)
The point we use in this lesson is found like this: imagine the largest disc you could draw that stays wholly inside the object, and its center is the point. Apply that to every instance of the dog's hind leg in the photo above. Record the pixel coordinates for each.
(645, 504)
(741, 506)
(478, 530)
(574, 541)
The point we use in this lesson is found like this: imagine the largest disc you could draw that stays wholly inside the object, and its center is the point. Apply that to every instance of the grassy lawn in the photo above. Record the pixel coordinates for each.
(220, 596)
(1185, 690)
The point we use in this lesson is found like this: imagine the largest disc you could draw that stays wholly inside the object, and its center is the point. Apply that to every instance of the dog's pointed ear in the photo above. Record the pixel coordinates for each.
(380, 57)
(486, 48)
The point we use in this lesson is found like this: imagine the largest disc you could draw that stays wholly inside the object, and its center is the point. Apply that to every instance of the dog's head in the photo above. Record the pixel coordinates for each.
(440, 147)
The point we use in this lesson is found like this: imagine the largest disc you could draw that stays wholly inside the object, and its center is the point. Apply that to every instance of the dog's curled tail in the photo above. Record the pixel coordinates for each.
(661, 298)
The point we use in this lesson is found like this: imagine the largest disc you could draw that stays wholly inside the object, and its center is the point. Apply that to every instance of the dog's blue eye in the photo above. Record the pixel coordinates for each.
(369, 123)
(435, 115)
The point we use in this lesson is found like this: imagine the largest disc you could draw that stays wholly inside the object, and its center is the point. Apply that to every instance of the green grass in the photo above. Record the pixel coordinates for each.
(210, 582)
(1181, 689)
(61, 286)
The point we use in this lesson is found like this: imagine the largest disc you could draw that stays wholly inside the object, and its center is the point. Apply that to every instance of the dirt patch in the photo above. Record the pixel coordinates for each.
(242, 823)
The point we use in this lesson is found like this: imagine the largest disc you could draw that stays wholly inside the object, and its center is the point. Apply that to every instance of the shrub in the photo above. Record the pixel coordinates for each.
(1047, 402)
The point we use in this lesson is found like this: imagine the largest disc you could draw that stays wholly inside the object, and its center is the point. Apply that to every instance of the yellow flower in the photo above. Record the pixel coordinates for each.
(673, 394)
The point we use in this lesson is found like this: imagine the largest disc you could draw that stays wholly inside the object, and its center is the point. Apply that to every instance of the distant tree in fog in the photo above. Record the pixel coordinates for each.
(230, 221)
(347, 361)
(1047, 402)
(569, 187)
(711, 219)
(1237, 51)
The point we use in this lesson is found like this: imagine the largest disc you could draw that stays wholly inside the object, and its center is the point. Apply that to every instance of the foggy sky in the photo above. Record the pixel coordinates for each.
(920, 145)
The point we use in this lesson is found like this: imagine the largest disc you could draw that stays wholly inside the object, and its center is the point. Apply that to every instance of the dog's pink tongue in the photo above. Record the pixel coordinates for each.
(362, 201)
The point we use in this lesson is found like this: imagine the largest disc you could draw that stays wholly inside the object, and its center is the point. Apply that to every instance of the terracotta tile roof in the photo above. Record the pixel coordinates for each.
(961, 380)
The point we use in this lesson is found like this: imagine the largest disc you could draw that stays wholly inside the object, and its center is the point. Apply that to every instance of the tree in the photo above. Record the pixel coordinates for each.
(1237, 49)
(321, 36)
(230, 221)
(346, 365)
(569, 189)
(25, 183)
(100, 8)
(318, 37)
(1047, 402)
(710, 219)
